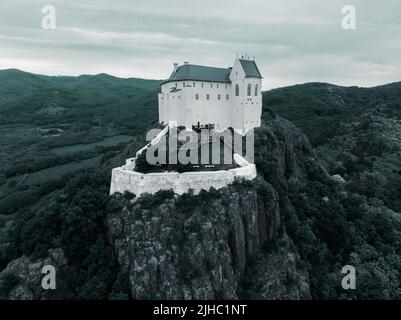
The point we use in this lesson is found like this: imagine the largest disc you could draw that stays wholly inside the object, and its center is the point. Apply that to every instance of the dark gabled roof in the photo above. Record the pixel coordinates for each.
(200, 73)
(250, 68)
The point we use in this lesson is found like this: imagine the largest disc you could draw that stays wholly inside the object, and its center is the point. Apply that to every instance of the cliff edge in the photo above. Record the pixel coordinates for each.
(223, 244)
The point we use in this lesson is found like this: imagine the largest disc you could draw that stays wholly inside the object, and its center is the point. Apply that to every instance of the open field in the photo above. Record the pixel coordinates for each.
(107, 142)
(58, 171)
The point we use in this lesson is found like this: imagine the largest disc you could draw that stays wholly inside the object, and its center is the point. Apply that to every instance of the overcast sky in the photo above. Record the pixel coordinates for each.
(293, 41)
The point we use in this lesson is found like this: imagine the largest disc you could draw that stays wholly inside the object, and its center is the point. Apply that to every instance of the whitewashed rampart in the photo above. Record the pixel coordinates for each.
(125, 178)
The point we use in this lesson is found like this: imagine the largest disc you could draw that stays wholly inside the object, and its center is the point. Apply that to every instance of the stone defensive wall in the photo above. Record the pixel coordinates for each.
(125, 178)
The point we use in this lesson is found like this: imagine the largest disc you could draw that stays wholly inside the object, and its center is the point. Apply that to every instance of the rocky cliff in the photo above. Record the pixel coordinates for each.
(203, 247)
(225, 244)
(22, 278)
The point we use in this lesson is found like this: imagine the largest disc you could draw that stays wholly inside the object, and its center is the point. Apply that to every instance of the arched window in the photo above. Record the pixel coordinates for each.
(227, 97)
(256, 90)
(197, 96)
(218, 96)
(249, 89)
(207, 97)
(237, 90)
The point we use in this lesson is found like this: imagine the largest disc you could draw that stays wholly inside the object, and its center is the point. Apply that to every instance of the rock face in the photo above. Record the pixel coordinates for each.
(224, 244)
(198, 252)
(276, 275)
(22, 278)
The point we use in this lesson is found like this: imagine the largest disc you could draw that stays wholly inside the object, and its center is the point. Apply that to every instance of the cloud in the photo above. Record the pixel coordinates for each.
(293, 41)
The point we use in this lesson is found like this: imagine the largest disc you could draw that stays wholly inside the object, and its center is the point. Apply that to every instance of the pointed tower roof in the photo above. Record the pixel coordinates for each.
(250, 68)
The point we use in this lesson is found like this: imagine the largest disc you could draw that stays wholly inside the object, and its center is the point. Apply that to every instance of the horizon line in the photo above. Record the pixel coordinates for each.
(153, 79)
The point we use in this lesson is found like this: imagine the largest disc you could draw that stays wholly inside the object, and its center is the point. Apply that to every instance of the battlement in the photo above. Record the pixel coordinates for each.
(126, 179)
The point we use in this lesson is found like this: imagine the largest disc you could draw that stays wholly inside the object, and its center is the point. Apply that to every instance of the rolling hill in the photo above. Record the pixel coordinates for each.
(319, 108)
(27, 98)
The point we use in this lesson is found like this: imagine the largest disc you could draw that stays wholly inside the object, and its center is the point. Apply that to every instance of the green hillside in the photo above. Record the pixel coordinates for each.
(88, 116)
(320, 207)
(356, 132)
(319, 108)
(101, 100)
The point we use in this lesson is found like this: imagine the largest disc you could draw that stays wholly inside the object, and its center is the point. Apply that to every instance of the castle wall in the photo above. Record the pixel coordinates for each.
(125, 179)
(187, 110)
(213, 110)
(252, 104)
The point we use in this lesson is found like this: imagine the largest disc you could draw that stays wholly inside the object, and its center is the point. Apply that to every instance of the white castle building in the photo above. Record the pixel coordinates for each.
(200, 96)
(197, 95)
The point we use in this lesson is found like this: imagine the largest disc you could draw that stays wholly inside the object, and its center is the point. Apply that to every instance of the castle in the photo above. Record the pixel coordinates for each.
(224, 98)
(197, 97)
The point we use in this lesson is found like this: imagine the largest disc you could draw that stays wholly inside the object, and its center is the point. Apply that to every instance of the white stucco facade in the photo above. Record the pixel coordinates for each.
(204, 95)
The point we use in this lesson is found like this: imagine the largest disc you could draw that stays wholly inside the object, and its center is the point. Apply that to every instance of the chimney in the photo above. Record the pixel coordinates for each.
(175, 66)
(186, 62)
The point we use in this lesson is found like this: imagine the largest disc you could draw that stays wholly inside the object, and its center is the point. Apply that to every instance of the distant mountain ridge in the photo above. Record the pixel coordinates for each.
(27, 98)
(16, 85)
(20, 75)
(319, 108)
